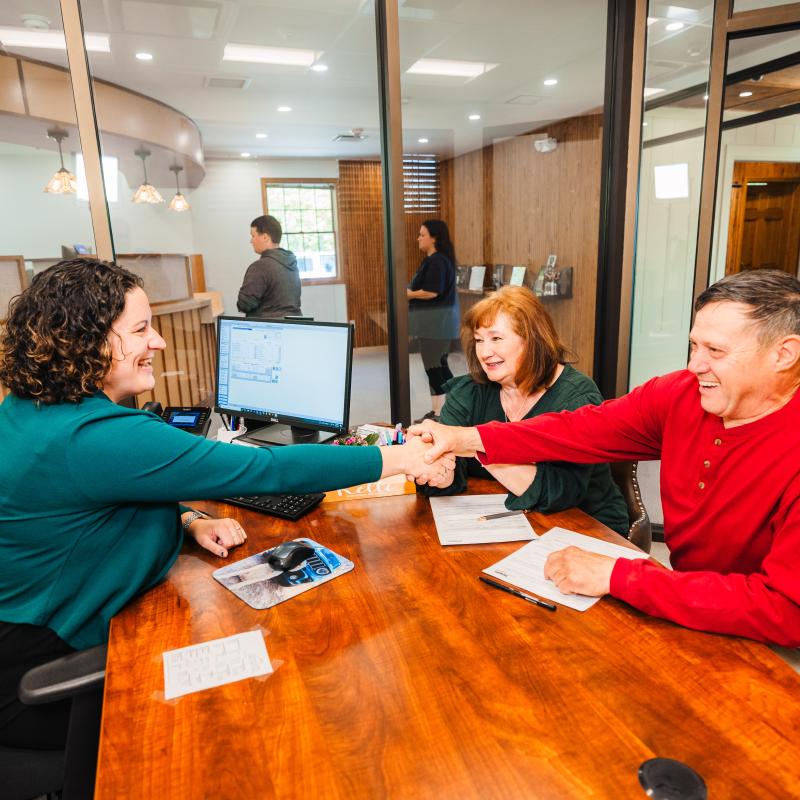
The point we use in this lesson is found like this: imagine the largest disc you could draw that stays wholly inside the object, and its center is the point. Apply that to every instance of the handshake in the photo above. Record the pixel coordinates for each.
(431, 450)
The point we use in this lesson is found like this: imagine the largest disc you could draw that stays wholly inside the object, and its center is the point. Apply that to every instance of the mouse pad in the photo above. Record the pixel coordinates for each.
(260, 586)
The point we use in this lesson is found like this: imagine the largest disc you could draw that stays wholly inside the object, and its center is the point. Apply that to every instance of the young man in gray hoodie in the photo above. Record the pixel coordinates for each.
(271, 286)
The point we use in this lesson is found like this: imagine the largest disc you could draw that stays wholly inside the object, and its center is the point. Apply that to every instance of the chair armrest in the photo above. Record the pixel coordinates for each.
(64, 677)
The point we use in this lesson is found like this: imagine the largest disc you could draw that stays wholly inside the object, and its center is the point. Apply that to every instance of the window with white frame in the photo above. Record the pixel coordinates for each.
(307, 213)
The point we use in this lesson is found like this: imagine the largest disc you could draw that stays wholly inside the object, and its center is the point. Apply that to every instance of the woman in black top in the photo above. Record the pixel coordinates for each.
(433, 315)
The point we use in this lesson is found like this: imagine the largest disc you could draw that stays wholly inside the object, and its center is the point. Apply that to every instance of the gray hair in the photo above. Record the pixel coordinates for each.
(773, 297)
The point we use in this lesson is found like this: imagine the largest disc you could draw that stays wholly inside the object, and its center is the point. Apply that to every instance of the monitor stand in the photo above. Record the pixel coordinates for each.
(277, 434)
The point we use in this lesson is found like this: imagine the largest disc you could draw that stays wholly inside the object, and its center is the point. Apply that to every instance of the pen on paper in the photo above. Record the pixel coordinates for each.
(516, 593)
(487, 517)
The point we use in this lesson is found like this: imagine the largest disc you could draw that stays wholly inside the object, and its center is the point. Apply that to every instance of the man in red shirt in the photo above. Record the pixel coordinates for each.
(727, 431)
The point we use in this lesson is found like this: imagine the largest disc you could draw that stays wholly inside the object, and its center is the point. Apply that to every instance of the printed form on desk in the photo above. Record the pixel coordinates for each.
(215, 663)
(458, 520)
(525, 568)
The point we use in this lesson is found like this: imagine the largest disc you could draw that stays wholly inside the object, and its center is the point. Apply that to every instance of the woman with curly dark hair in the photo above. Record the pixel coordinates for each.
(89, 489)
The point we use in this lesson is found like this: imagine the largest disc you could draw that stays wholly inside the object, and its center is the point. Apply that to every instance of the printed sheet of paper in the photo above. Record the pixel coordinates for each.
(525, 567)
(457, 520)
(215, 663)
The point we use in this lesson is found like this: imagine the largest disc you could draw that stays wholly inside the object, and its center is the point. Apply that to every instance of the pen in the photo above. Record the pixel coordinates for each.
(516, 593)
(486, 517)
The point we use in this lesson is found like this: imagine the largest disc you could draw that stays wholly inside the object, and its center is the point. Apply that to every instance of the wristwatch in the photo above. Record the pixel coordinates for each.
(190, 518)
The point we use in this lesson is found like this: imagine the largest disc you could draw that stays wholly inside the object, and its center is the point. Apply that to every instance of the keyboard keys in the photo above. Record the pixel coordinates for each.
(286, 506)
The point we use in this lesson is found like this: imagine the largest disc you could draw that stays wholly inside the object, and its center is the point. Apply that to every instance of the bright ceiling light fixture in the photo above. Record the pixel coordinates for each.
(261, 136)
(452, 69)
(63, 182)
(142, 56)
(254, 54)
(650, 92)
(745, 94)
(245, 155)
(673, 26)
(319, 67)
(284, 109)
(179, 202)
(474, 117)
(50, 40)
(651, 20)
(550, 81)
(423, 140)
(146, 193)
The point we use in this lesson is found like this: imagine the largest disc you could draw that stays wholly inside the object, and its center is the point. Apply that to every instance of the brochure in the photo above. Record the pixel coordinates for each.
(260, 586)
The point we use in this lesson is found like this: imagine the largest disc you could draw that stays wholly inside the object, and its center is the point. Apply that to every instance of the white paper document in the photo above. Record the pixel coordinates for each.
(215, 663)
(457, 520)
(525, 567)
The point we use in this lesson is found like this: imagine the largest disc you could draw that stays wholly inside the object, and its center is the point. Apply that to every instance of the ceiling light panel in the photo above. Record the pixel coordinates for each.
(285, 56)
(50, 40)
(451, 69)
(180, 20)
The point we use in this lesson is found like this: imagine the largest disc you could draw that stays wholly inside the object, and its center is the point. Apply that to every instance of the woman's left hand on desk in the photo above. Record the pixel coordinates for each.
(218, 535)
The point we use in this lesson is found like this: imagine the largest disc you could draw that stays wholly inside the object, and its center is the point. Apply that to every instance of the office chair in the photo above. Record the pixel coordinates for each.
(639, 531)
(69, 773)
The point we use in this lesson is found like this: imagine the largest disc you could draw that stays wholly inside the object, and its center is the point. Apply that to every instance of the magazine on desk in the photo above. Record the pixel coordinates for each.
(260, 586)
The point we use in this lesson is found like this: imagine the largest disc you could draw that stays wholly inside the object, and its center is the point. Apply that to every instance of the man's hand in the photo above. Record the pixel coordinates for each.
(447, 439)
(435, 472)
(574, 571)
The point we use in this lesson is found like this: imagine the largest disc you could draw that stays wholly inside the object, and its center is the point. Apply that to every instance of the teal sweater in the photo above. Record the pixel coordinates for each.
(557, 485)
(89, 494)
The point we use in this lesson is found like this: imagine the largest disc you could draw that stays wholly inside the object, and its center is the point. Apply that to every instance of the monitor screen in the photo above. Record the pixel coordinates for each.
(284, 371)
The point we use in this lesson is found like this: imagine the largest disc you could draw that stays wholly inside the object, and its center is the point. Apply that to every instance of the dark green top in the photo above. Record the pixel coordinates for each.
(557, 485)
(88, 503)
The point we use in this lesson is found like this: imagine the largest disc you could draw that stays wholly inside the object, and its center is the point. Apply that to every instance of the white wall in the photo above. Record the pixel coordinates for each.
(223, 206)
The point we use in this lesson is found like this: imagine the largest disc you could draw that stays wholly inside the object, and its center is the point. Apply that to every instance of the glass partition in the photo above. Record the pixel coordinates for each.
(502, 130)
(43, 208)
(238, 110)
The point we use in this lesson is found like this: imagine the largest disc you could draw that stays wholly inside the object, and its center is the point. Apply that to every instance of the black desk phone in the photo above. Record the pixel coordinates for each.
(194, 419)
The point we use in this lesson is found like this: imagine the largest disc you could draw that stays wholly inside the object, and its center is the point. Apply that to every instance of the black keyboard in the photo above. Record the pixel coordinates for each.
(286, 506)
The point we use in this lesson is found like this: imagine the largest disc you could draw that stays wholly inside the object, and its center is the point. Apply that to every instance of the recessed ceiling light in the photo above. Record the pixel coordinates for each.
(144, 56)
(645, 124)
(255, 54)
(693, 53)
(745, 94)
(319, 67)
(650, 92)
(474, 117)
(673, 26)
(423, 140)
(550, 82)
(453, 69)
(284, 109)
(651, 20)
(705, 97)
(261, 136)
(50, 40)
(245, 155)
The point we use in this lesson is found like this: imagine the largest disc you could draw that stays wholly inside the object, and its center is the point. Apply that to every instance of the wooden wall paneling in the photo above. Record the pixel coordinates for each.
(169, 364)
(361, 234)
(182, 353)
(198, 270)
(190, 322)
(448, 211)
(465, 179)
(209, 334)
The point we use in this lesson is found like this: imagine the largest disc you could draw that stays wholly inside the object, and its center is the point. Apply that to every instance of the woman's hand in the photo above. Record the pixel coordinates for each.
(217, 535)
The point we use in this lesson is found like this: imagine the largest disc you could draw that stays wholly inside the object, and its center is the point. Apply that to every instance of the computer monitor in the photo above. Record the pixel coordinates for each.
(291, 376)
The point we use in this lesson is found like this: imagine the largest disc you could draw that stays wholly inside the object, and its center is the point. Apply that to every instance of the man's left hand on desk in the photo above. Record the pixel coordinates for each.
(574, 571)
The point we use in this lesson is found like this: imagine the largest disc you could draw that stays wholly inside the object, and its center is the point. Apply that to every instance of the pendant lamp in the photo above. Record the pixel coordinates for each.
(179, 202)
(63, 182)
(146, 193)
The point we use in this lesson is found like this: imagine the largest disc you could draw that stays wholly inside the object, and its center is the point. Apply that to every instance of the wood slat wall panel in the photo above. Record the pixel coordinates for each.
(361, 232)
(513, 205)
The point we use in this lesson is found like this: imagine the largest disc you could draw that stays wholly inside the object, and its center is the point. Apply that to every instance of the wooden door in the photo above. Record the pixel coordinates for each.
(764, 230)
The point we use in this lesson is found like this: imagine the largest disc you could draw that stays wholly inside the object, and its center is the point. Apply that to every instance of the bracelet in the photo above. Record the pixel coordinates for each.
(190, 518)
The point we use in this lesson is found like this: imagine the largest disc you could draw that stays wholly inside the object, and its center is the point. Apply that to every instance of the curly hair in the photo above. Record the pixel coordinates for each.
(54, 346)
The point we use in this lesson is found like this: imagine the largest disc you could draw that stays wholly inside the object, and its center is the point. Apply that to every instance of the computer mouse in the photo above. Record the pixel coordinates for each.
(287, 555)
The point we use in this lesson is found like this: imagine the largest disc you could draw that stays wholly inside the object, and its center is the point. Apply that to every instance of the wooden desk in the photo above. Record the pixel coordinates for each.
(408, 678)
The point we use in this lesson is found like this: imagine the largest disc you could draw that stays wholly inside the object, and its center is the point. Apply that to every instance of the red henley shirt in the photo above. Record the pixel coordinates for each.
(731, 500)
